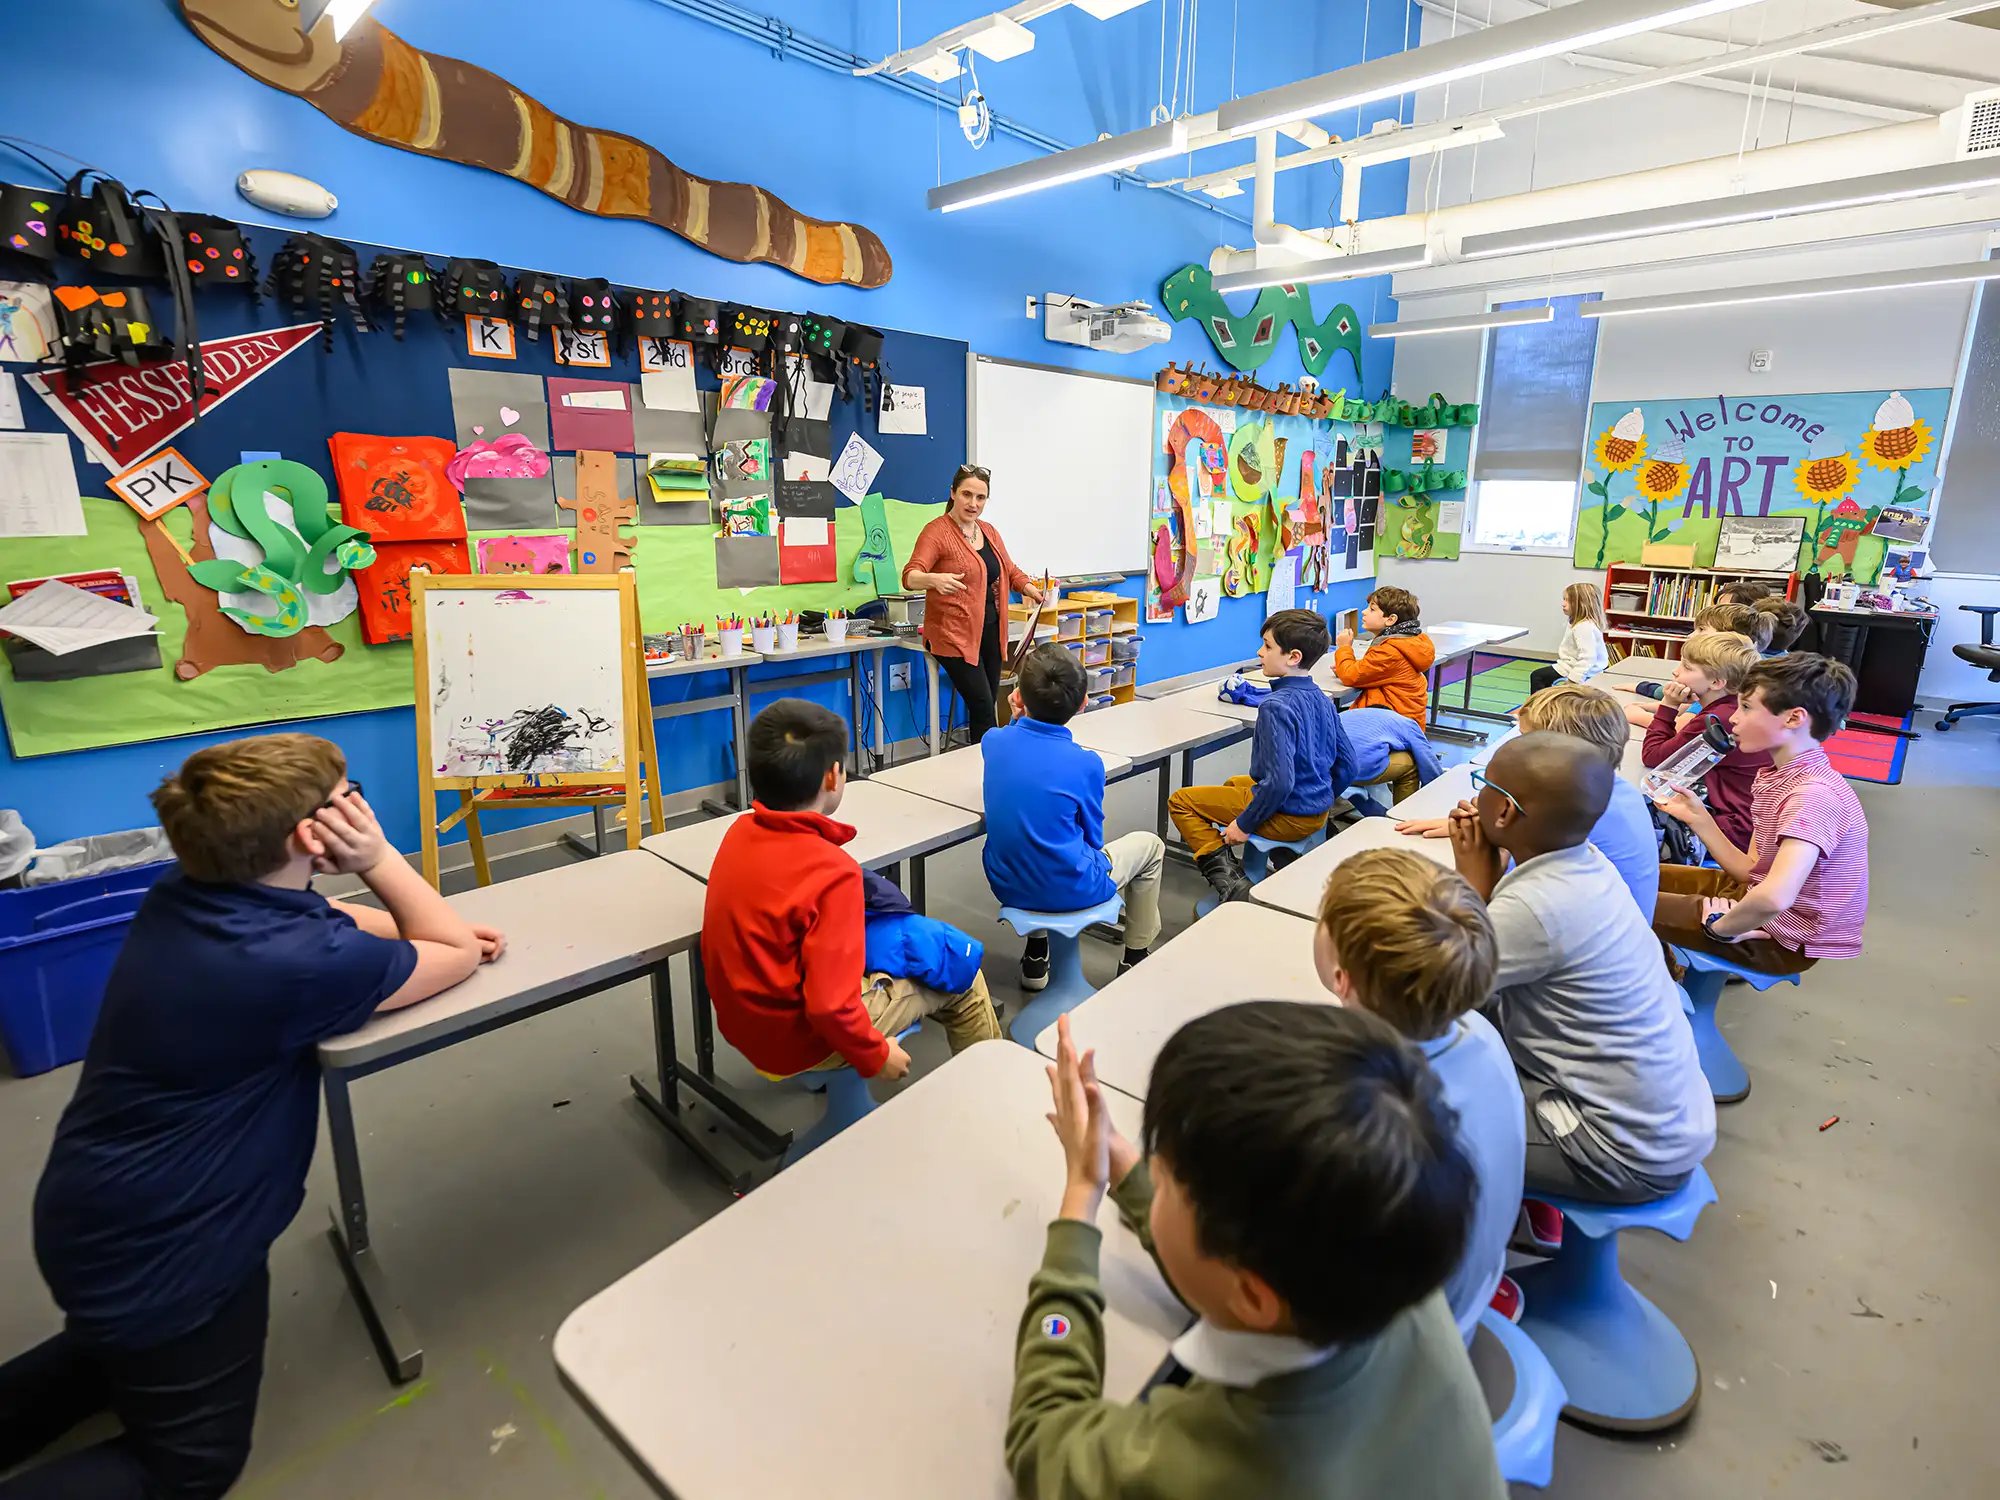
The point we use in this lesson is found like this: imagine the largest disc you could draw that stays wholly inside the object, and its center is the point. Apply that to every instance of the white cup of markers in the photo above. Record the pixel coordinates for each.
(730, 633)
(836, 626)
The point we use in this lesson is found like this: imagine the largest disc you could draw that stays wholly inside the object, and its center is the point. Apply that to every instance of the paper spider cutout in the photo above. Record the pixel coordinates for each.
(540, 301)
(401, 284)
(314, 274)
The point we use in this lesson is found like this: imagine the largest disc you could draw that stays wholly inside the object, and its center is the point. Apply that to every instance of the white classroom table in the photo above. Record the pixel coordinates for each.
(1239, 951)
(958, 776)
(571, 932)
(1437, 798)
(736, 700)
(1298, 887)
(846, 1332)
(1148, 733)
(1652, 668)
(1632, 767)
(867, 699)
(1456, 640)
(890, 826)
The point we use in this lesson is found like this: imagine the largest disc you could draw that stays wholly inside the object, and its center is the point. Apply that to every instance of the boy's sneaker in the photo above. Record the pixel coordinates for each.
(1132, 956)
(1224, 875)
(1035, 963)
(1540, 1231)
(1507, 1299)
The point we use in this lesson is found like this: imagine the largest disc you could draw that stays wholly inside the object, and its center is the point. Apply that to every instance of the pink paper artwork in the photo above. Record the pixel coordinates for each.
(512, 455)
(524, 554)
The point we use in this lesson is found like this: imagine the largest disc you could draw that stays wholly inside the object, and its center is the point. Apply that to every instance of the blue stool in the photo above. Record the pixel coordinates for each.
(847, 1100)
(1257, 861)
(1067, 988)
(1727, 1078)
(1625, 1366)
(1524, 1435)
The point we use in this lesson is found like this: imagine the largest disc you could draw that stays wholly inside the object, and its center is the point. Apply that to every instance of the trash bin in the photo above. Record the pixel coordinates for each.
(57, 945)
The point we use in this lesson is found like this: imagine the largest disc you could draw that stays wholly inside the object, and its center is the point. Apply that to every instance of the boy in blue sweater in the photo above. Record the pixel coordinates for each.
(1045, 846)
(1299, 758)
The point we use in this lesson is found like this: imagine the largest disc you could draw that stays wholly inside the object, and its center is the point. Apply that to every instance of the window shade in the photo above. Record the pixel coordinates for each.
(1965, 538)
(1535, 405)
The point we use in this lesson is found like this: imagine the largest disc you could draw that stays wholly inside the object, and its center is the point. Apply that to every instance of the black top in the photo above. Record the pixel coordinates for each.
(989, 629)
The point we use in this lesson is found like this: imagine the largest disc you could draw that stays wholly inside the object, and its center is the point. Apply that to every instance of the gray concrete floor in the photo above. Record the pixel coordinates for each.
(1840, 1296)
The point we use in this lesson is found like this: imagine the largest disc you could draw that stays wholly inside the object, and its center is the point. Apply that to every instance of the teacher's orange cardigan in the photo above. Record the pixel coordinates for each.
(952, 621)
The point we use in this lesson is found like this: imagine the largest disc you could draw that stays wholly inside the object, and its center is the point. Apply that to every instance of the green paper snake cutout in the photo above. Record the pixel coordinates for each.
(1418, 533)
(288, 572)
(1247, 340)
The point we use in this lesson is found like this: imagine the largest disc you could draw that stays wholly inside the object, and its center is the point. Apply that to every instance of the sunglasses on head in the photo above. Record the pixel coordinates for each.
(1481, 779)
(972, 471)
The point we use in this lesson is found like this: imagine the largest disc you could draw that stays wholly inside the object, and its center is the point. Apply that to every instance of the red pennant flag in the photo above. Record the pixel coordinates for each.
(122, 413)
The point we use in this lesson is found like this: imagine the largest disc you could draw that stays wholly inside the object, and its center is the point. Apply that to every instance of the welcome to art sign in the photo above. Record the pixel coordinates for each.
(1669, 471)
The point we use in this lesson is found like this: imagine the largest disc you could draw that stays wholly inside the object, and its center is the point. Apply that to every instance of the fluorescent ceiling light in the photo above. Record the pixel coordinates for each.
(1334, 268)
(1073, 165)
(1417, 327)
(1225, 190)
(1788, 291)
(1812, 197)
(1104, 10)
(1001, 38)
(1394, 148)
(939, 67)
(344, 13)
(1567, 28)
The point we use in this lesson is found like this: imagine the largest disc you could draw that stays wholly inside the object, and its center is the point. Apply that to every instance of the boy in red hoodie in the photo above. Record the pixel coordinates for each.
(783, 932)
(1395, 671)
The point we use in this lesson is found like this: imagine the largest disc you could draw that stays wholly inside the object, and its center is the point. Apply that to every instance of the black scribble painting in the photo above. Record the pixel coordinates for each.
(541, 739)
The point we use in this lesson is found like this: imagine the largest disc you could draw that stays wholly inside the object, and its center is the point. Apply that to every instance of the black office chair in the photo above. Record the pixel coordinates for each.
(1986, 654)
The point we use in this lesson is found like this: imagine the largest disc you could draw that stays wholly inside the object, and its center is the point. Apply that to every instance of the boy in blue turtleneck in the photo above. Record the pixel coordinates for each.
(1299, 759)
(1045, 848)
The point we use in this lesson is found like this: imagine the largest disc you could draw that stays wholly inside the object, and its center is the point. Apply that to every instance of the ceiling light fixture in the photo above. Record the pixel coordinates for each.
(1104, 10)
(939, 67)
(1465, 323)
(1113, 154)
(1334, 268)
(1001, 38)
(1788, 291)
(1559, 29)
(1394, 148)
(1812, 197)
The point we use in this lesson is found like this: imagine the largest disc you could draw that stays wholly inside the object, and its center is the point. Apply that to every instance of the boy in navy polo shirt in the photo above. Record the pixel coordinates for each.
(1045, 846)
(183, 1154)
(1299, 759)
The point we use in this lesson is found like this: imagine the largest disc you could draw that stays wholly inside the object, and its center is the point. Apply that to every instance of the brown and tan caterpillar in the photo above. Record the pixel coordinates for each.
(377, 85)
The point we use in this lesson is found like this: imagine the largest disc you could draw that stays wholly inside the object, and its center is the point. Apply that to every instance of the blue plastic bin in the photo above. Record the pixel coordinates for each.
(57, 945)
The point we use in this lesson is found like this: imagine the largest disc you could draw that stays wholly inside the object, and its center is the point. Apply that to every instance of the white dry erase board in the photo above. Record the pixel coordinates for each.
(1072, 462)
(529, 682)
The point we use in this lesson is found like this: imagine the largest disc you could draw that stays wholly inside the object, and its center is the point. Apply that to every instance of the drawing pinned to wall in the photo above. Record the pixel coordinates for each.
(384, 585)
(855, 470)
(747, 515)
(396, 488)
(1427, 445)
(1669, 471)
(746, 461)
(747, 392)
(544, 554)
(509, 456)
(27, 322)
(1204, 600)
(602, 507)
(1247, 340)
(1253, 462)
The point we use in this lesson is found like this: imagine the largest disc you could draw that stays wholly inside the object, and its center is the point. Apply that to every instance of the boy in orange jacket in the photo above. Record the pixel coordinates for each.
(1393, 673)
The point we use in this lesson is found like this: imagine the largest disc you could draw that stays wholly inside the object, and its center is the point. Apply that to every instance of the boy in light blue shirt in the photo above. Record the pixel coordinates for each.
(1402, 936)
(1045, 848)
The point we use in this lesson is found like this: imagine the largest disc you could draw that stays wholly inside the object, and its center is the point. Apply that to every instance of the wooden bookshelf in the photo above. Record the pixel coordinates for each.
(1651, 610)
(1086, 622)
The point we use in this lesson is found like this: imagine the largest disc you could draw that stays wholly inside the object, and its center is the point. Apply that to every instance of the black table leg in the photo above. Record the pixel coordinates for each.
(395, 1340)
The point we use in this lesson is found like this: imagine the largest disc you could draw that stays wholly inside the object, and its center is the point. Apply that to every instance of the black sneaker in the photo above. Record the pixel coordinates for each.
(1035, 964)
(1131, 957)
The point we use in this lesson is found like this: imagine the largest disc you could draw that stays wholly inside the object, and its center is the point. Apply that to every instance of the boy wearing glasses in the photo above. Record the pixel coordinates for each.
(183, 1154)
(1617, 1107)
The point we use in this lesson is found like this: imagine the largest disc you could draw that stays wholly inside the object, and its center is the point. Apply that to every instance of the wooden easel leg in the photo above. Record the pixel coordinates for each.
(476, 837)
(429, 822)
(655, 788)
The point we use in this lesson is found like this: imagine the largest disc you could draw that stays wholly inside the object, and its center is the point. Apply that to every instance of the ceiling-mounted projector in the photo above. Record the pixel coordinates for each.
(1124, 328)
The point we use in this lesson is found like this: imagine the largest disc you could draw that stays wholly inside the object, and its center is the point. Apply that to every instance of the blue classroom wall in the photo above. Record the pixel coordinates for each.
(183, 123)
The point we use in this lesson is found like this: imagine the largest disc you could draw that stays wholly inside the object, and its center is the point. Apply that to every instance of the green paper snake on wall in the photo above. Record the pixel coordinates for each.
(1247, 340)
(377, 85)
(311, 557)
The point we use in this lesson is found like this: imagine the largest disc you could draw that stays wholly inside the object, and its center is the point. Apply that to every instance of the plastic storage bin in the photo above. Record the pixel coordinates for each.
(1125, 647)
(57, 945)
(1096, 653)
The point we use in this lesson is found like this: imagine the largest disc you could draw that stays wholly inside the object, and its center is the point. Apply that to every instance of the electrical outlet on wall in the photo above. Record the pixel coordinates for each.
(1760, 361)
(1034, 304)
(899, 676)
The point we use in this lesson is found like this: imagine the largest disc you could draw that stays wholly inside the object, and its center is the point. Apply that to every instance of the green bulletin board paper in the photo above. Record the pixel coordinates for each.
(46, 718)
(676, 571)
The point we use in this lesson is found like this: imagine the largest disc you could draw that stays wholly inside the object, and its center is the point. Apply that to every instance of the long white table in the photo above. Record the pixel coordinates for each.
(1149, 732)
(1239, 951)
(571, 932)
(1460, 640)
(1649, 668)
(890, 826)
(847, 1331)
(958, 776)
(1298, 887)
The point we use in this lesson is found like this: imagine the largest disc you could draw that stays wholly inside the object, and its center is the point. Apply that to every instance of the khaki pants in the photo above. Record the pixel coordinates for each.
(1400, 776)
(1136, 862)
(896, 1004)
(1677, 920)
(1202, 812)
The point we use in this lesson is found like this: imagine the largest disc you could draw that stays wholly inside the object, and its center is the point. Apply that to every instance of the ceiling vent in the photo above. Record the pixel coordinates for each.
(1979, 123)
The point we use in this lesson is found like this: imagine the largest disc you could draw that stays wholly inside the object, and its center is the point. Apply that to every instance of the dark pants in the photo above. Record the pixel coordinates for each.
(978, 685)
(1542, 677)
(1572, 1166)
(187, 1407)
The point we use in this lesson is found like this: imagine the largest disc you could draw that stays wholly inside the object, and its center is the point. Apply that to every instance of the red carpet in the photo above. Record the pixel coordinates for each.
(1870, 757)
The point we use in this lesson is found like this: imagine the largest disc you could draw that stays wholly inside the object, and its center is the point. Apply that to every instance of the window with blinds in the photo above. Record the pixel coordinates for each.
(1534, 409)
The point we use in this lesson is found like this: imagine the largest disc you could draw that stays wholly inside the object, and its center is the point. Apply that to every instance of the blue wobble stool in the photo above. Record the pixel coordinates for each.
(847, 1100)
(1257, 861)
(1067, 988)
(1524, 1435)
(1624, 1364)
(1707, 973)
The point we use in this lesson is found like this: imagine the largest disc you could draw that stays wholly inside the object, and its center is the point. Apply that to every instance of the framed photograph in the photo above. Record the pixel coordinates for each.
(1760, 544)
(1898, 523)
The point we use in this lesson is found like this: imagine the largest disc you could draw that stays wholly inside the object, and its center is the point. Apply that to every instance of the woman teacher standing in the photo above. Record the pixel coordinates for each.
(963, 568)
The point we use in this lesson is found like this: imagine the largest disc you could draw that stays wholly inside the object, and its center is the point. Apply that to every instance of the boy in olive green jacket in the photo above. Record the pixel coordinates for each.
(1324, 1363)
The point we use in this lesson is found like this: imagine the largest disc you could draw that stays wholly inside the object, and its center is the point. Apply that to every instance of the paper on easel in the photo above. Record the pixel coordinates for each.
(61, 618)
(38, 494)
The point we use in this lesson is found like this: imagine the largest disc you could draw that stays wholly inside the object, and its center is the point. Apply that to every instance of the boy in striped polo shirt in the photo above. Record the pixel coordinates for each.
(1799, 893)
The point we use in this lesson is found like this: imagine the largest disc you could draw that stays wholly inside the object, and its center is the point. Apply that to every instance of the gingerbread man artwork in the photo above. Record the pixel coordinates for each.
(600, 546)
